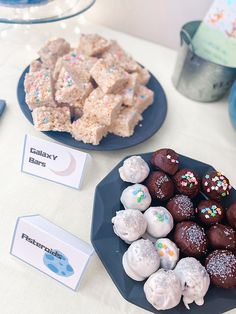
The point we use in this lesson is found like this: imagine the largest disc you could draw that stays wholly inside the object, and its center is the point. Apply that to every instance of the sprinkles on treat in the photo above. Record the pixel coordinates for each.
(139, 193)
(164, 249)
(189, 179)
(217, 182)
(211, 211)
(184, 204)
(173, 160)
(221, 264)
(195, 235)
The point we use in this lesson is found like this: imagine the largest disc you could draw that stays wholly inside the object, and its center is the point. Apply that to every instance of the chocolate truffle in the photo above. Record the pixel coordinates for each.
(181, 208)
(191, 239)
(231, 215)
(221, 266)
(222, 237)
(166, 160)
(210, 212)
(160, 185)
(215, 185)
(187, 182)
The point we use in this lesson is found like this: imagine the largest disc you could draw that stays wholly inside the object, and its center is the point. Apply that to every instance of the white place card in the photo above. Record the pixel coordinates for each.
(51, 249)
(53, 162)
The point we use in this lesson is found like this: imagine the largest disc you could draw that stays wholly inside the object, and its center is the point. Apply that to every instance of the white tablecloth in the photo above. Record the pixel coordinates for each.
(201, 131)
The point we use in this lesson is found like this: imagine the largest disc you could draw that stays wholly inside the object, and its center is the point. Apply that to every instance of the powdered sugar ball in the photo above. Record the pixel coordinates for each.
(136, 197)
(141, 260)
(134, 170)
(163, 289)
(194, 280)
(159, 221)
(129, 225)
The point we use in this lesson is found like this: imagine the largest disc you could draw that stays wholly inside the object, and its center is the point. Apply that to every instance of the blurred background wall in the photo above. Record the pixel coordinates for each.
(156, 20)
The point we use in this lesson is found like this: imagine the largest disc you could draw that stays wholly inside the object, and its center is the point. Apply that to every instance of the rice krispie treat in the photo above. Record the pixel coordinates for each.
(93, 44)
(39, 89)
(76, 62)
(35, 66)
(143, 75)
(110, 77)
(103, 110)
(129, 90)
(52, 50)
(143, 98)
(68, 91)
(119, 56)
(88, 131)
(125, 123)
(52, 119)
(76, 112)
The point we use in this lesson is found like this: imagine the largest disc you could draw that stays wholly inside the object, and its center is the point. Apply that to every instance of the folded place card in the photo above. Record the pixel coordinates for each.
(215, 39)
(51, 249)
(53, 162)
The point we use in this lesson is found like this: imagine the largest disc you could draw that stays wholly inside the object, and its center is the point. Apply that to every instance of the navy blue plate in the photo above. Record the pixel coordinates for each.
(111, 248)
(153, 119)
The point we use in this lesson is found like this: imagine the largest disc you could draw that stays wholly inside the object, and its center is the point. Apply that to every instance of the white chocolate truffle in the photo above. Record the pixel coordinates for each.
(141, 260)
(129, 225)
(134, 170)
(163, 289)
(168, 252)
(159, 221)
(194, 280)
(136, 197)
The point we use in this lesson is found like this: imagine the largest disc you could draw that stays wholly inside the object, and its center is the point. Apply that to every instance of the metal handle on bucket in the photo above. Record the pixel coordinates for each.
(185, 37)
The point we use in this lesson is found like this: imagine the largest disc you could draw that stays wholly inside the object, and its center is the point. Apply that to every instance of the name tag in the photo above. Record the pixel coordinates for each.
(51, 249)
(53, 162)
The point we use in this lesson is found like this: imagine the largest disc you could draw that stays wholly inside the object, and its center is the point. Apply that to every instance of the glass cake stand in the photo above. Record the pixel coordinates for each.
(41, 11)
(25, 25)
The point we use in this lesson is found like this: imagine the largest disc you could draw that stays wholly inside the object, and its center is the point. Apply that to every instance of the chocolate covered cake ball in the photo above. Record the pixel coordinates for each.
(166, 160)
(231, 215)
(221, 266)
(215, 185)
(222, 237)
(210, 212)
(160, 185)
(181, 208)
(187, 182)
(191, 239)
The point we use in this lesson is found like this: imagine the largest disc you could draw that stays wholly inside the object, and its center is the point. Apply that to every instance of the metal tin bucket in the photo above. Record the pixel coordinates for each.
(232, 105)
(198, 78)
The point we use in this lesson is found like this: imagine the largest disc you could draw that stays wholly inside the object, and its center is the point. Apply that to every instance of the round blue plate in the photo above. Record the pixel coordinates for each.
(153, 118)
(111, 248)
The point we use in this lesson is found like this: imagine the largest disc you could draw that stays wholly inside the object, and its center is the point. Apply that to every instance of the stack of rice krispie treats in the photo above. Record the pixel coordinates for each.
(89, 91)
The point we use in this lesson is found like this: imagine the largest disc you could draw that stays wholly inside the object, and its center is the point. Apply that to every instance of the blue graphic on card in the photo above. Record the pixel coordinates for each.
(58, 263)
